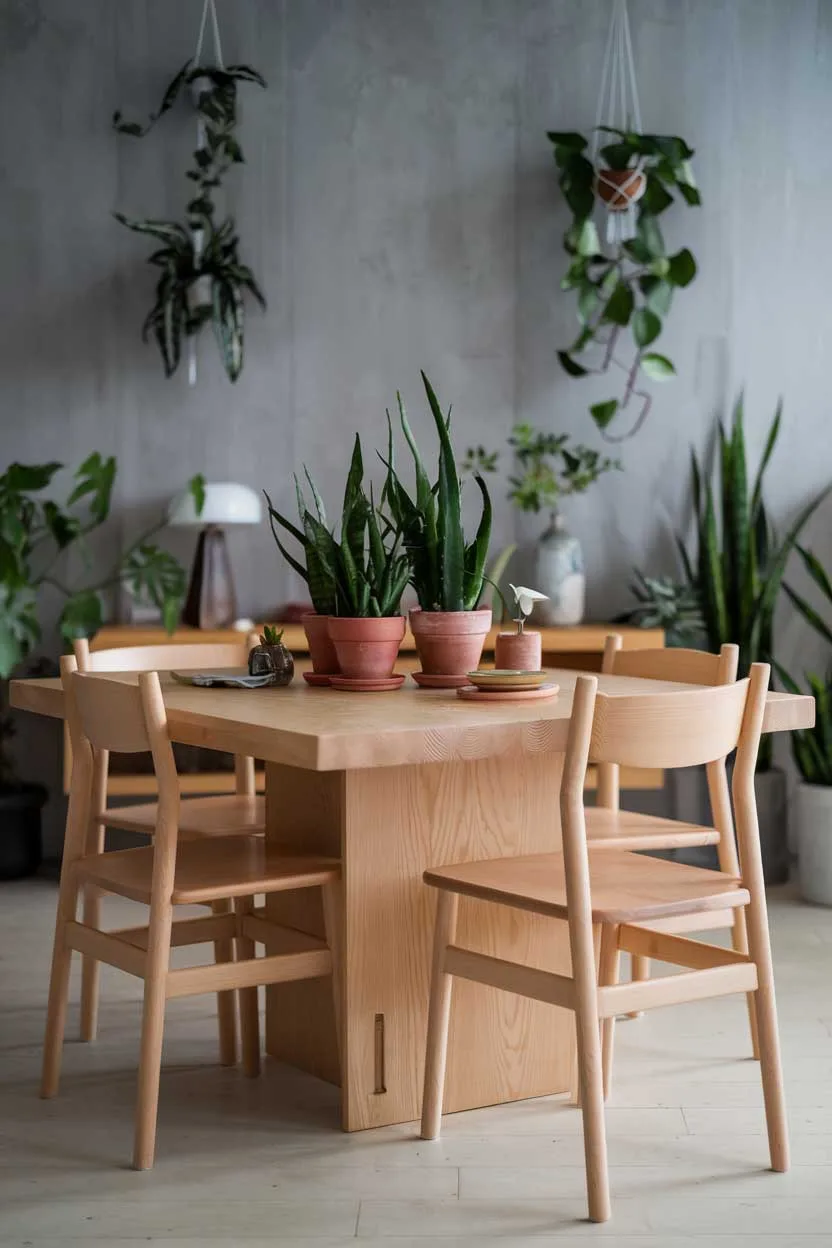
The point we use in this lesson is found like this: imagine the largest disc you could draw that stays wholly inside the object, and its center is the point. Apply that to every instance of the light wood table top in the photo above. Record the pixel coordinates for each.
(325, 730)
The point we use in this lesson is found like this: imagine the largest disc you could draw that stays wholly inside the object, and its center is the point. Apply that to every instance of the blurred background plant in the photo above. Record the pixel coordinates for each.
(664, 603)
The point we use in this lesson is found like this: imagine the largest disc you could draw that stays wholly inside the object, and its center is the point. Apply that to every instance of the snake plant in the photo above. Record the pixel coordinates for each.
(362, 573)
(740, 561)
(447, 573)
(812, 747)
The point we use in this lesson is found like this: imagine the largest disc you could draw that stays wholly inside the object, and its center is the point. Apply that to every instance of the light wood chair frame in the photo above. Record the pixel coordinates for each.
(693, 667)
(192, 656)
(665, 730)
(111, 715)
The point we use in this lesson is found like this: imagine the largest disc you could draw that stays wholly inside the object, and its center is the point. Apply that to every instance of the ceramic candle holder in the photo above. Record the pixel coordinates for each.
(518, 652)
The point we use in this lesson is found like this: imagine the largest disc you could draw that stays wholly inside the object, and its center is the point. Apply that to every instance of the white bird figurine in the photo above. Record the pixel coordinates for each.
(525, 599)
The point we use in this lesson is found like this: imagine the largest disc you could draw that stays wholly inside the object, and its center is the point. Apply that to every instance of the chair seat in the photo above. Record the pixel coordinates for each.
(626, 829)
(198, 816)
(231, 866)
(625, 887)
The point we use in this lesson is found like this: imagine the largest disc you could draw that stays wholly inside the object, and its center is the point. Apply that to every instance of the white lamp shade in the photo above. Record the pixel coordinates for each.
(226, 502)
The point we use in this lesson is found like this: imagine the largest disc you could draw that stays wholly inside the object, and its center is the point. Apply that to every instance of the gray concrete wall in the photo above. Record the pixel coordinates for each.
(400, 209)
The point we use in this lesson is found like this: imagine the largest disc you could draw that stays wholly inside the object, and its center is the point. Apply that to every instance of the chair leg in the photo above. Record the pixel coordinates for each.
(739, 940)
(769, 1038)
(56, 1012)
(153, 1025)
(96, 842)
(640, 970)
(226, 1001)
(592, 1078)
(608, 975)
(334, 930)
(439, 1015)
(248, 997)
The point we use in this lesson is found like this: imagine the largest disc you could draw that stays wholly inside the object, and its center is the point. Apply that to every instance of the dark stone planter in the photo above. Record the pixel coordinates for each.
(21, 848)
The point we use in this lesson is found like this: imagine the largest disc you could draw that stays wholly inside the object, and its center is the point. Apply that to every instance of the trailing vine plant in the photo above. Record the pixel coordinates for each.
(202, 278)
(628, 283)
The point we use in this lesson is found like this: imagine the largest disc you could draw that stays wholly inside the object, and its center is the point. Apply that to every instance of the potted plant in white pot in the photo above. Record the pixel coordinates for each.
(812, 749)
(549, 469)
(446, 571)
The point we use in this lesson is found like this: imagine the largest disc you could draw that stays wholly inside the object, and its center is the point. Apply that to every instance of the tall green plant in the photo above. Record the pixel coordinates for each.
(812, 747)
(739, 562)
(365, 571)
(446, 572)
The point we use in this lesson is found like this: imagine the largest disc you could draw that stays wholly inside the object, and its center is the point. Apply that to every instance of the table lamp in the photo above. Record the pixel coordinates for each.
(211, 601)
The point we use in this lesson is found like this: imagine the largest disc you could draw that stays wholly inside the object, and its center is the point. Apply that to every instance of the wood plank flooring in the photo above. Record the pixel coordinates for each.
(261, 1162)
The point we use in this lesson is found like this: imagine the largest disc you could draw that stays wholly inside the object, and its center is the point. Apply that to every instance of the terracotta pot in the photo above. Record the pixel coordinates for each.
(366, 648)
(450, 642)
(321, 649)
(518, 652)
(619, 187)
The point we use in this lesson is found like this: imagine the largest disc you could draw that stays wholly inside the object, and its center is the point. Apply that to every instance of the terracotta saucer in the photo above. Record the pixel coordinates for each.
(357, 685)
(470, 694)
(425, 681)
(317, 679)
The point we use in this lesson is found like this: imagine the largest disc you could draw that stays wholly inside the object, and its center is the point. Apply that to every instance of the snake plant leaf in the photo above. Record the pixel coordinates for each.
(425, 505)
(316, 496)
(276, 518)
(477, 553)
(816, 571)
(449, 522)
(771, 441)
(710, 576)
(810, 615)
(738, 573)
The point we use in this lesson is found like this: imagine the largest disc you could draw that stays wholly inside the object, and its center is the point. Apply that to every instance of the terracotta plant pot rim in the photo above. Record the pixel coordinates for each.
(383, 628)
(450, 623)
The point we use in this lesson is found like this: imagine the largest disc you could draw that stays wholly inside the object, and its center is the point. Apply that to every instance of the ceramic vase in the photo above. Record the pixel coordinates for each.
(450, 643)
(814, 843)
(559, 573)
(518, 652)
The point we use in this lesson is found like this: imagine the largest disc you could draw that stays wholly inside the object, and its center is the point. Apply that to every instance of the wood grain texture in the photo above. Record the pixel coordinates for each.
(625, 829)
(392, 825)
(321, 730)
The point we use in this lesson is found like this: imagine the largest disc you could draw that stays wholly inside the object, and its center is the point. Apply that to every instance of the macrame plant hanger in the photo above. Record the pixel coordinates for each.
(618, 106)
(198, 235)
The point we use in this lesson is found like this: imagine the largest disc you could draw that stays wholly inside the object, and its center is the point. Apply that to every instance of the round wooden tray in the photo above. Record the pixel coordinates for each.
(470, 694)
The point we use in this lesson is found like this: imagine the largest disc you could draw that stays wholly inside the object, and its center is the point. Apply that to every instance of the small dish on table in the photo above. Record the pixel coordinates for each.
(503, 680)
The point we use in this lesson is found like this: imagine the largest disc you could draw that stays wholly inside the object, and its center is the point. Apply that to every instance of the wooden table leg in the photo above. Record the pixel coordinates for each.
(388, 825)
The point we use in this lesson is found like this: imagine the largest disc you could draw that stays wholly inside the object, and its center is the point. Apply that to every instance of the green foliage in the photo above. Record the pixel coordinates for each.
(271, 635)
(549, 468)
(668, 604)
(812, 747)
(631, 284)
(200, 249)
(739, 562)
(365, 571)
(35, 535)
(446, 572)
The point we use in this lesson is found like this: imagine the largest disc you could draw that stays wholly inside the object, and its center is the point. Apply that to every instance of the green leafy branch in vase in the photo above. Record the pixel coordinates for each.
(202, 277)
(629, 283)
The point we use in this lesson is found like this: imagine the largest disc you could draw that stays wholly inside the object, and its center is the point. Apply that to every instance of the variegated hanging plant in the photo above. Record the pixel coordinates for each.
(202, 278)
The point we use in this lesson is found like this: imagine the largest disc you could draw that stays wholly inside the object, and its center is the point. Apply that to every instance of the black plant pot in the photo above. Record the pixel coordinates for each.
(21, 848)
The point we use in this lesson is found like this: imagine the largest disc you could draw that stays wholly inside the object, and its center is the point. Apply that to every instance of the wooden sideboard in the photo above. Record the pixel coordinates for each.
(580, 648)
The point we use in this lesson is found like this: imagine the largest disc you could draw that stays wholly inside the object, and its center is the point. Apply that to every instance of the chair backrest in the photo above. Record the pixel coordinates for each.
(690, 667)
(190, 656)
(666, 729)
(123, 717)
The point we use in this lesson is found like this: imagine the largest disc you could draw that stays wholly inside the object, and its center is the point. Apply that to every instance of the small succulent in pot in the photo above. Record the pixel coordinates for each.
(271, 658)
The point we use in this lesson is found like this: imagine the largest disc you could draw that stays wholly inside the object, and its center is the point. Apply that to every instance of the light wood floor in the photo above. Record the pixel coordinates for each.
(244, 1162)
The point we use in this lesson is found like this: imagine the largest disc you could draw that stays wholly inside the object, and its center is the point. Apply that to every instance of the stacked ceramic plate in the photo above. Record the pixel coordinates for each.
(496, 685)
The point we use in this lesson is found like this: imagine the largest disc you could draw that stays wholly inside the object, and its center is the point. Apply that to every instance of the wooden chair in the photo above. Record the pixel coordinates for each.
(609, 895)
(608, 825)
(223, 815)
(124, 717)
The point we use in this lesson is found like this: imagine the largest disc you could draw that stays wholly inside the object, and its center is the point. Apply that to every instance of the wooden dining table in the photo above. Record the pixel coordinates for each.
(392, 784)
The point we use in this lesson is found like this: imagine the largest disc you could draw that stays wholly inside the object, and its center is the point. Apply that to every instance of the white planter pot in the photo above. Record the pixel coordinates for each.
(814, 842)
(559, 573)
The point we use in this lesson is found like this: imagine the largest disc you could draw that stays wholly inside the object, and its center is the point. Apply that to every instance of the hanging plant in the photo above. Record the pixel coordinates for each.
(202, 278)
(627, 179)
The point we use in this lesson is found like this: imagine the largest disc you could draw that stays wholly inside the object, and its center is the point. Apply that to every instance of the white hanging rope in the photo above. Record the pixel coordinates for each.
(209, 6)
(618, 107)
